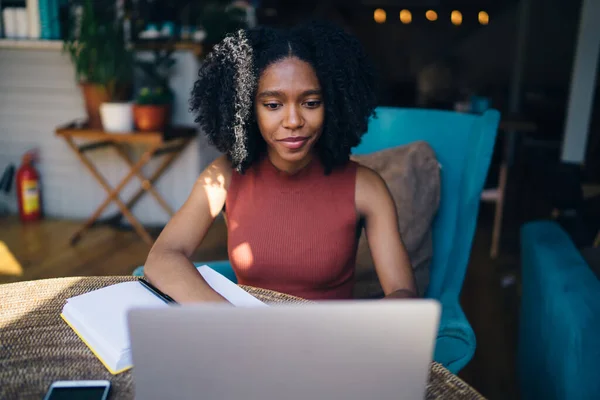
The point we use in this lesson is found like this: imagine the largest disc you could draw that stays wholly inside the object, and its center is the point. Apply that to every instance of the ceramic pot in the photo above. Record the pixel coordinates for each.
(117, 117)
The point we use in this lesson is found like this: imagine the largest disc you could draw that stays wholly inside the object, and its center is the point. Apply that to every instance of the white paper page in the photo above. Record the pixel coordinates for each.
(104, 311)
(100, 345)
(232, 292)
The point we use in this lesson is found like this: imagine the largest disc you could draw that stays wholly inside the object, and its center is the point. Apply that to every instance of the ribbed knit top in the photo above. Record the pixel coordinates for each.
(296, 234)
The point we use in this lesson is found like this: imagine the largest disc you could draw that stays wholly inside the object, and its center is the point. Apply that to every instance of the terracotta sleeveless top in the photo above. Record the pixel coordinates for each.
(296, 234)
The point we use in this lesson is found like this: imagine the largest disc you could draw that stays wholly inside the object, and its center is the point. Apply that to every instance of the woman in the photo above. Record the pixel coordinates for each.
(285, 107)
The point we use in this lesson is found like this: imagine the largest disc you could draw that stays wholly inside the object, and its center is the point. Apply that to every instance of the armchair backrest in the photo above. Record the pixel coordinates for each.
(463, 144)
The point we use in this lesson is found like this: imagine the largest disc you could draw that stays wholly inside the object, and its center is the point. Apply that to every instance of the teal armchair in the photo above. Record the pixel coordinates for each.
(463, 144)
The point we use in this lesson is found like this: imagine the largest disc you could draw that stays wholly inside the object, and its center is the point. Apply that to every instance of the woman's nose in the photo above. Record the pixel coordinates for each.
(293, 118)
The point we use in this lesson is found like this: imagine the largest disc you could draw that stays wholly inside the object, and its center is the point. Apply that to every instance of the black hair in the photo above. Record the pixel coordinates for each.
(223, 95)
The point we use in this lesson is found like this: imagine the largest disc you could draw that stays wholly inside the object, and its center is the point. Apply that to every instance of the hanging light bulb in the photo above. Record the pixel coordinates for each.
(456, 17)
(484, 18)
(431, 15)
(379, 16)
(405, 16)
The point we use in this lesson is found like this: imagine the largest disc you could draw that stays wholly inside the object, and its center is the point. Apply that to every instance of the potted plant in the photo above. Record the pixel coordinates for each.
(220, 17)
(153, 105)
(103, 63)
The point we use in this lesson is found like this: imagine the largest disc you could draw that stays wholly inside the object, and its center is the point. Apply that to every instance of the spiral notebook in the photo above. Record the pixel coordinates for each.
(99, 317)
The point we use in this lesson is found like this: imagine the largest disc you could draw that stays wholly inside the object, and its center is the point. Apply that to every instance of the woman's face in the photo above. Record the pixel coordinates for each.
(290, 112)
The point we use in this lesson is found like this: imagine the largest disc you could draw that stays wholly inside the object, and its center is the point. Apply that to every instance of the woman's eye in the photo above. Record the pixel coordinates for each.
(271, 106)
(313, 104)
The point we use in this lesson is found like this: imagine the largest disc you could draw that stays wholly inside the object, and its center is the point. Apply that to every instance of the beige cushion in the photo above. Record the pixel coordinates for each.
(412, 175)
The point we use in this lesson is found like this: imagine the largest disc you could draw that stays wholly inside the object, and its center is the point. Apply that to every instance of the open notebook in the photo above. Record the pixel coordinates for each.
(100, 317)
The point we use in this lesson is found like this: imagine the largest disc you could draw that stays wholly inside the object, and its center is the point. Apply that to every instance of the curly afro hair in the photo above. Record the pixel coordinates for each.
(223, 96)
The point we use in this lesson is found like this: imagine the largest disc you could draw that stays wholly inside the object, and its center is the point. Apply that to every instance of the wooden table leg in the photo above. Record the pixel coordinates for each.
(497, 230)
(167, 161)
(153, 178)
(112, 193)
(77, 235)
(146, 183)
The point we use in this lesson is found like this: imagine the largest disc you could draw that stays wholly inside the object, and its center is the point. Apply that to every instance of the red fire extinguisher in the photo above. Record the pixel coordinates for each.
(28, 189)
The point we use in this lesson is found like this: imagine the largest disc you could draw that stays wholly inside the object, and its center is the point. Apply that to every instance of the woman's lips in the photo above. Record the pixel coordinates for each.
(294, 143)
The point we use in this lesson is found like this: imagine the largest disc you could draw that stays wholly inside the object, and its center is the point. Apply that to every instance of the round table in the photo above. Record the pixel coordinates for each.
(37, 347)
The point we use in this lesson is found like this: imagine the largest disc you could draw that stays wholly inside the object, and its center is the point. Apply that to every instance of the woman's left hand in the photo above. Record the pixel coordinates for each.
(401, 294)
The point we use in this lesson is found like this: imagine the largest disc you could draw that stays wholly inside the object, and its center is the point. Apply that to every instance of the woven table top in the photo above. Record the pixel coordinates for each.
(38, 348)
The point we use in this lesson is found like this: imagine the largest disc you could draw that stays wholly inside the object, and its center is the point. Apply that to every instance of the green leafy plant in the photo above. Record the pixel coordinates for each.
(218, 18)
(154, 96)
(156, 89)
(96, 44)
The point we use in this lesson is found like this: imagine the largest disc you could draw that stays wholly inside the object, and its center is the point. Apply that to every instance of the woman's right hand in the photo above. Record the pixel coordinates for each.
(168, 265)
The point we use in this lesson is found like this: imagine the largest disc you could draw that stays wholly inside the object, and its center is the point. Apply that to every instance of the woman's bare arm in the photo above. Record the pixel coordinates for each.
(168, 265)
(375, 204)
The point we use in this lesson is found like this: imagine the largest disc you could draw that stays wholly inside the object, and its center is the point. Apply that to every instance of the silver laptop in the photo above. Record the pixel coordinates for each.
(352, 350)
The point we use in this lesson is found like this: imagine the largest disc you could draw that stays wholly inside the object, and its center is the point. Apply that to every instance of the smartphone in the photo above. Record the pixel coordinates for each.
(78, 390)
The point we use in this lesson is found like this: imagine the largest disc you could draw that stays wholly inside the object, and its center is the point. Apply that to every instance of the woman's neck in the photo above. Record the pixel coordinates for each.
(288, 167)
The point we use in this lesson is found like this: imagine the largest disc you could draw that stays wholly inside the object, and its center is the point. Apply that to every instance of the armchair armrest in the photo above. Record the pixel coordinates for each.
(559, 319)
(455, 343)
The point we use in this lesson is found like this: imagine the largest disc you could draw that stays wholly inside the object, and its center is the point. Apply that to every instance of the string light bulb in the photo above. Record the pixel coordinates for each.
(379, 16)
(431, 15)
(483, 17)
(456, 17)
(405, 16)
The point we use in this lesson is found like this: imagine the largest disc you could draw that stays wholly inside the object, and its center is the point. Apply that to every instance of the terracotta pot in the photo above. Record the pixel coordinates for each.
(151, 117)
(93, 96)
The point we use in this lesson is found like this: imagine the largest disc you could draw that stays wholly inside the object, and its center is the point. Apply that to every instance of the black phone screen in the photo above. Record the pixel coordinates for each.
(77, 393)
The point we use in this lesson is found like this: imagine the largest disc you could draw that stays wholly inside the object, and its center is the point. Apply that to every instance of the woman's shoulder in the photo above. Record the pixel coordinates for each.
(367, 178)
(370, 187)
(219, 172)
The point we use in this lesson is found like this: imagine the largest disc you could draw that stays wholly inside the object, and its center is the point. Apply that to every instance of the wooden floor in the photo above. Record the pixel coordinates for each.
(490, 301)
(43, 251)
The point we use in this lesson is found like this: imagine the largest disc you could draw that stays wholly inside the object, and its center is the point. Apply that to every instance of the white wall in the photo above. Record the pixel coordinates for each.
(38, 93)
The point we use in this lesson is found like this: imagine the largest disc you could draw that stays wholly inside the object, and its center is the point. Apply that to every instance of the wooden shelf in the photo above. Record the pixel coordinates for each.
(31, 44)
(148, 45)
(79, 130)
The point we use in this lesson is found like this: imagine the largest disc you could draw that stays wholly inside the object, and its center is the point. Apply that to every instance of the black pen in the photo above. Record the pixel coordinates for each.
(166, 298)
